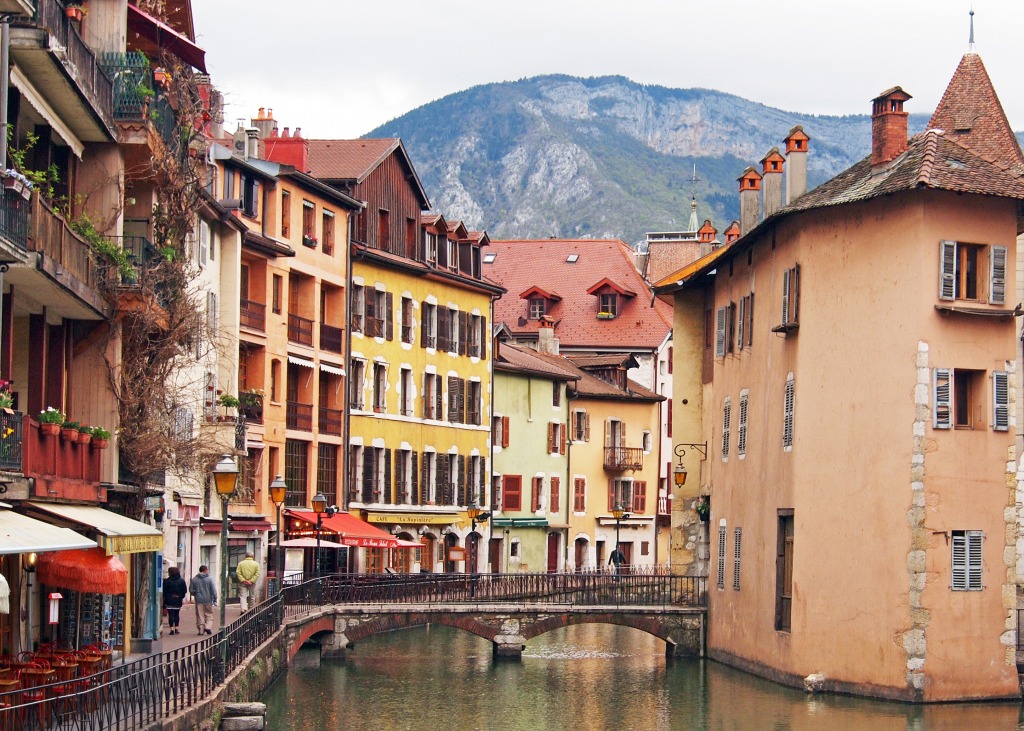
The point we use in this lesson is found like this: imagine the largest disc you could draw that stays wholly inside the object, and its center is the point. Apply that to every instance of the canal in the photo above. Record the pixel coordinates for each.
(583, 677)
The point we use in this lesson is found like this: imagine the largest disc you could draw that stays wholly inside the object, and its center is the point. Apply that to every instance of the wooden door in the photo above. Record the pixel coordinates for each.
(552, 553)
(627, 551)
(496, 549)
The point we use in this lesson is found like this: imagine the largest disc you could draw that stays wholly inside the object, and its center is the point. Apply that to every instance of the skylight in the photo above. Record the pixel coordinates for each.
(489, 258)
(572, 258)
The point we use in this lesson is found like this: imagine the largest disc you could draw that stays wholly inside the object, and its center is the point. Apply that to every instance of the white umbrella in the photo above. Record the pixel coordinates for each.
(5, 596)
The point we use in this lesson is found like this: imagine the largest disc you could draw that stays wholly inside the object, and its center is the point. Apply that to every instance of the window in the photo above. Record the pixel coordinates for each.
(720, 579)
(355, 470)
(579, 495)
(556, 438)
(737, 543)
(536, 308)
(721, 326)
(355, 384)
(456, 400)
(403, 477)
(646, 441)
(453, 255)
(790, 298)
(428, 326)
(580, 426)
(726, 427)
(967, 560)
(407, 319)
(275, 379)
(286, 214)
(277, 285)
(783, 571)
(373, 464)
(410, 238)
(478, 336)
(431, 396)
(958, 394)
(745, 322)
(476, 480)
(327, 471)
(380, 384)
(378, 307)
(741, 436)
(358, 308)
(308, 224)
(499, 431)
(430, 248)
(960, 272)
(473, 403)
(406, 395)
(609, 305)
(250, 196)
(452, 330)
(555, 499)
(296, 472)
(639, 503)
(556, 394)
(787, 419)
(620, 492)
(512, 492)
(327, 233)
(429, 477)
(535, 494)
(383, 229)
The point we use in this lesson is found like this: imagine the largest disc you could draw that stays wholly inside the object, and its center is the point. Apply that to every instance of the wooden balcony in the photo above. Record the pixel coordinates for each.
(61, 468)
(299, 416)
(51, 235)
(300, 330)
(332, 339)
(253, 315)
(619, 459)
(331, 421)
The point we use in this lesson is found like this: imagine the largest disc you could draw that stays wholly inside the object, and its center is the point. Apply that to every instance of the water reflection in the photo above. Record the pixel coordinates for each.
(586, 677)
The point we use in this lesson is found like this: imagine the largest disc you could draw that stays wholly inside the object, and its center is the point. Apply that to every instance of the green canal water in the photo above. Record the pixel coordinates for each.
(583, 677)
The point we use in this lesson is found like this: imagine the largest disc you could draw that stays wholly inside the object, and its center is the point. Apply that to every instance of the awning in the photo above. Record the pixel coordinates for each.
(351, 530)
(309, 543)
(118, 533)
(166, 38)
(22, 534)
(296, 360)
(333, 370)
(89, 571)
(187, 495)
(409, 544)
(256, 522)
(520, 522)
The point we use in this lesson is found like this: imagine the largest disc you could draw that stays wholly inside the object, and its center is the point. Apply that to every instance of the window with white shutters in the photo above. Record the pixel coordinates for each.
(721, 557)
(741, 433)
(997, 275)
(787, 422)
(791, 298)
(942, 404)
(967, 561)
(737, 543)
(962, 269)
(721, 318)
(726, 427)
(1001, 401)
(741, 318)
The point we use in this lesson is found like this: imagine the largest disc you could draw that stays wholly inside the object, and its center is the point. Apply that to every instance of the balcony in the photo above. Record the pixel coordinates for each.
(331, 338)
(132, 84)
(253, 315)
(61, 468)
(331, 421)
(299, 416)
(618, 459)
(14, 219)
(300, 330)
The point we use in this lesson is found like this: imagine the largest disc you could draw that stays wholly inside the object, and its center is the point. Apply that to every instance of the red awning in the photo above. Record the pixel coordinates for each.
(89, 570)
(165, 38)
(351, 531)
(260, 524)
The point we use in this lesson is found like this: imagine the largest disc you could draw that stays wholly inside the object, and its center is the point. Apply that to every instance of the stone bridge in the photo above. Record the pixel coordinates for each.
(508, 627)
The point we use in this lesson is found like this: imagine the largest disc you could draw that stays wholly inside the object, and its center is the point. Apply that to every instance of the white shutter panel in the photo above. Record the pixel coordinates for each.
(741, 436)
(204, 244)
(787, 425)
(947, 270)
(726, 424)
(1001, 401)
(720, 322)
(785, 297)
(740, 322)
(942, 411)
(974, 540)
(959, 562)
(721, 557)
(997, 275)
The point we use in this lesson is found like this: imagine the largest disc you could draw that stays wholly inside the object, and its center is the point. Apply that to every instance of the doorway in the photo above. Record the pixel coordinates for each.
(580, 554)
(427, 553)
(472, 553)
(450, 541)
(627, 552)
(495, 552)
(553, 553)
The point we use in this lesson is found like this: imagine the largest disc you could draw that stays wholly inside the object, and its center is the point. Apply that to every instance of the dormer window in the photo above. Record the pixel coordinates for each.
(609, 298)
(536, 308)
(539, 302)
(430, 248)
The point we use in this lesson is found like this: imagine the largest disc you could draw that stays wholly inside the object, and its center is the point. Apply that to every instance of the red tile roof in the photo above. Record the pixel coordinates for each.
(354, 160)
(523, 360)
(665, 257)
(971, 114)
(520, 265)
(585, 383)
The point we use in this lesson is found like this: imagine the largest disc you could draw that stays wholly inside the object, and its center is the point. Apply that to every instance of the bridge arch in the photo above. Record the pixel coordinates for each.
(646, 624)
(390, 622)
(305, 632)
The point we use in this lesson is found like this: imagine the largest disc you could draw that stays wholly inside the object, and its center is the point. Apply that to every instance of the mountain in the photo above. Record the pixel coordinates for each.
(604, 157)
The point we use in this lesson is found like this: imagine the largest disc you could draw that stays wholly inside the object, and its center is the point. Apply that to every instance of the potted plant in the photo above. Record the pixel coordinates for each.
(309, 240)
(605, 316)
(100, 436)
(6, 399)
(703, 508)
(84, 434)
(251, 403)
(75, 11)
(162, 77)
(69, 431)
(50, 421)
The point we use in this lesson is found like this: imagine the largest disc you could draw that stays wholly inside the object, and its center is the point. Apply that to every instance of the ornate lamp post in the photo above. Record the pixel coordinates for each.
(618, 512)
(225, 477)
(321, 508)
(476, 515)
(278, 488)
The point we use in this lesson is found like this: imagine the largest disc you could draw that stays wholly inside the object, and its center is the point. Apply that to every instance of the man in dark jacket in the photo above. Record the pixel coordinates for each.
(204, 593)
(174, 595)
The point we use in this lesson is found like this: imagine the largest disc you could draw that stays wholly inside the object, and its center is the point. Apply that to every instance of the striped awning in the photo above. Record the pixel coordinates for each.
(333, 370)
(118, 534)
(296, 360)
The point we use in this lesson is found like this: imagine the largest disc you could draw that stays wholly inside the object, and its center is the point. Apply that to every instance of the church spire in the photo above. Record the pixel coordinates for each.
(694, 224)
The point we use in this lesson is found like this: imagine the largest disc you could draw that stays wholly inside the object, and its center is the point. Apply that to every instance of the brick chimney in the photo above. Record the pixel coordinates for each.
(288, 149)
(750, 200)
(265, 122)
(796, 154)
(771, 170)
(888, 126)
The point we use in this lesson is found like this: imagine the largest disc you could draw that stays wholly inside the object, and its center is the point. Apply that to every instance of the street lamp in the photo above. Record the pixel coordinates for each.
(618, 512)
(30, 568)
(679, 472)
(278, 488)
(321, 508)
(225, 477)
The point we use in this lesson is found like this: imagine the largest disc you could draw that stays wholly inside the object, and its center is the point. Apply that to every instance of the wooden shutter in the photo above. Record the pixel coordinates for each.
(741, 435)
(552, 438)
(484, 337)
(741, 322)
(959, 582)
(463, 388)
(997, 275)
(579, 495)
(720, 321)
(463, 332)
(463, 480)
(512, 486)
(622, 434)
(974, 562)
(611, 494)
(423, 324)
(787, 424)
(453, 398)
(785, 296)
(401, 496)
(942, 408)
(439, 398)
(947, 270)
(416, 498)
(442, 482)
(370, 305)
(425, 496)
(389, 316)
(504, 431)
(1001, 401)
(586, 426)
(608, 434)
(640, 496)
(387, 493)
(730, 335)
(555, 503)
(538, 485)
(368, 475)
(561, 438)
(750, 320)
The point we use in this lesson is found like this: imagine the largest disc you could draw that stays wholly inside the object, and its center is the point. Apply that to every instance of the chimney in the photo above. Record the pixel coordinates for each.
(888, 126)
(750, 200)
(546, 340)
(732, 232)
(265, 123)
(796, 152)
(252, 143)
(771, 167)
(238, 139)
(289, 149)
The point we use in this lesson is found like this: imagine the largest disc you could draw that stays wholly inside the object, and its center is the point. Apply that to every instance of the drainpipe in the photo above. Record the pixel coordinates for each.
(5, 82)
(490, 423)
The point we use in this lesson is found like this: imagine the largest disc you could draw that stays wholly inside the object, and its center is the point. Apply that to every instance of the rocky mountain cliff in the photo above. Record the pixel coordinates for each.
(604, 157)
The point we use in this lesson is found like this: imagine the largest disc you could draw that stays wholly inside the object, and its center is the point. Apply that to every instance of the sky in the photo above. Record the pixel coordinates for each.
(339, 69)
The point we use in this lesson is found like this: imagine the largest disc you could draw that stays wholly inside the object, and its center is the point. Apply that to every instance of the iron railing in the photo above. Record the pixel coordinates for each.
(14, 217)
(300, 330)
(11, 440)
(253, 314)
(86, 70)
(331, 421)
(299, 416)
(132, 81)
(623, 458)
(331, 338)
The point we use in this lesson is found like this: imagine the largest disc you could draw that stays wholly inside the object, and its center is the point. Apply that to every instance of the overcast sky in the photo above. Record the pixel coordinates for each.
(339, 69)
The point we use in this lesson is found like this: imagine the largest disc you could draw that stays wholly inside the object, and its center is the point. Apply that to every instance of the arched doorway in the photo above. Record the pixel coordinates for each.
(450, 541)
(402, 558)
(428, 552)
(552, 553)
(472, 553)
(580, 554)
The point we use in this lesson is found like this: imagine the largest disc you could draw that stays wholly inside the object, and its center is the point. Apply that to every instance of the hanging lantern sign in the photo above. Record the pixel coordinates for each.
(55, 607)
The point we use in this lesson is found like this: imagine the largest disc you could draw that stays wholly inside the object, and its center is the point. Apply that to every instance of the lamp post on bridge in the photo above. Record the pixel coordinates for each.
(618, 512)
(278, 490)
(225, 477)
(321, 508)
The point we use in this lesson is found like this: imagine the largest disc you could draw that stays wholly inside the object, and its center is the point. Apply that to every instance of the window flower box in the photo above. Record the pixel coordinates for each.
(605, 316)
(309, 241)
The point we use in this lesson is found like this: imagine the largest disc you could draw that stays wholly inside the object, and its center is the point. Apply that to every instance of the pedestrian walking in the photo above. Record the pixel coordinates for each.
(204, 594)
(617, 559)
(247, 572)
(174, 596)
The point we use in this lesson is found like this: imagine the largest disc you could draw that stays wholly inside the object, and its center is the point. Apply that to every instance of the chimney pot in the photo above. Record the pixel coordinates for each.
(298, 132)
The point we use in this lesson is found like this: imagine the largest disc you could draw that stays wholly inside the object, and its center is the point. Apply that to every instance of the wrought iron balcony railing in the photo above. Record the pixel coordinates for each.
(253, 314)
(331, 421)
(299, 416)
(331, 338)
(619, 459)
(300, 330)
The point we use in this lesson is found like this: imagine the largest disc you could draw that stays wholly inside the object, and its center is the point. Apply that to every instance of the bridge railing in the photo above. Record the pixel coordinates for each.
(582, 589)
